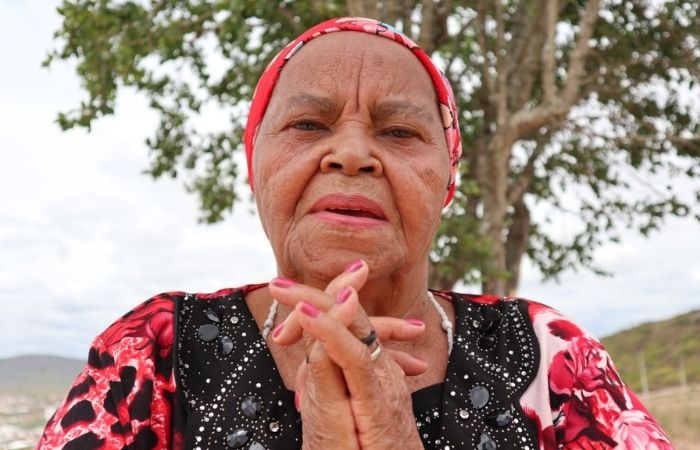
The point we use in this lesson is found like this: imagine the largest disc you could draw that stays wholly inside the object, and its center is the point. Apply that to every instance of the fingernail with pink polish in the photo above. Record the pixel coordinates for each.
(355, 266)
(283, 282)
(309, 309)
(296, 400)
(278, 329)
(343, 295)
(415, 322)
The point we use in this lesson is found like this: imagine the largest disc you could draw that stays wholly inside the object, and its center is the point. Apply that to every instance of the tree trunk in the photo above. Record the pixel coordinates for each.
(362, 8)
(438, 281)
(432, 27)
(516, 245)
(507, 84)
(494, 184)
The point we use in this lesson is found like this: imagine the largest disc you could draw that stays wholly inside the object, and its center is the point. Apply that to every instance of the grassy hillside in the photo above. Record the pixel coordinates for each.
(678, 412)
(37, 374)
(665, 345)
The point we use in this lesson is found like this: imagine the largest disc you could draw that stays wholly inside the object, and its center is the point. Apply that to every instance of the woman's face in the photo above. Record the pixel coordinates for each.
(350, 160)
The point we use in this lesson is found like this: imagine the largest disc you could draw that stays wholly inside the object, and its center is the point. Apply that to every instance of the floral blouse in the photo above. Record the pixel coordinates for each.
(193, 371)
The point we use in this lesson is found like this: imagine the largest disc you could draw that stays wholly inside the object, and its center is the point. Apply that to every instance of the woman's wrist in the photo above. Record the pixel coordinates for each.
(402, 433)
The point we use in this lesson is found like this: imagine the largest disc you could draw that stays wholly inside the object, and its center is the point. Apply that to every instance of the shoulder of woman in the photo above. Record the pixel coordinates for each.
(151, 320)
(535, 309)
(150, 325)
(553, 329)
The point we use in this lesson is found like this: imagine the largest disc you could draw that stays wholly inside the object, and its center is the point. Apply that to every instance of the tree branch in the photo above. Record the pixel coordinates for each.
(456, 54)
(524, 122)
(528, 40)
(577, 59)
(392, 10)
(406, 19)
(675, 139)
(678, 141)
(486, 79)
(363, 8)
(520, 186)
(548, 58)
(501, 66)
(427, 28)
(521, 29)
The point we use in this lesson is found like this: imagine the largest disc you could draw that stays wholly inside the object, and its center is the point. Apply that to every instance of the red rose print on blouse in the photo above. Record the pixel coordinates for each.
(590, 406)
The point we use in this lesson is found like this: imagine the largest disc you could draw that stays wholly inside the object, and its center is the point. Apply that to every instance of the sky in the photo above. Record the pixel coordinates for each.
(85, 236)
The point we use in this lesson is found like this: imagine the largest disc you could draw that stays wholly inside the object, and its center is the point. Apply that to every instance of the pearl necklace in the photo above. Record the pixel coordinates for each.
(445, 323)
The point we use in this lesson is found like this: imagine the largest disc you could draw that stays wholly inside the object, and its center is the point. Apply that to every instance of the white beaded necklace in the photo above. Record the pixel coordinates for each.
(445, 323)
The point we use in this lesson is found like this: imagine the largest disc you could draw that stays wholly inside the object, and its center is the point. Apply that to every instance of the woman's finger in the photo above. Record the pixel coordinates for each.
(341, 345)
(324, 377)
(410, 365)
(387, 329)
(390, 328)
(379, 397)
(394, 329)
(289, 294)
(354, 276)
(289, 331)
(322, 400)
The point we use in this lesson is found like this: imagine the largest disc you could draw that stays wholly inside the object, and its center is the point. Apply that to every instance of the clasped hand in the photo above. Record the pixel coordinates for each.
(346, 399)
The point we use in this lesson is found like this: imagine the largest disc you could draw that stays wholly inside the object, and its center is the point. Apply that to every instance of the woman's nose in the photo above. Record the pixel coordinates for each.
(352, 155)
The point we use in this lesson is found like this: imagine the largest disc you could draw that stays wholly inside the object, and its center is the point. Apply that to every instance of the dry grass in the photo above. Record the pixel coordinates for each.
(678, 411)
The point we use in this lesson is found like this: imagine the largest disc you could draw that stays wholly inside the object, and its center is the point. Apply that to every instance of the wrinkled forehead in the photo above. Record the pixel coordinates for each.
(349, 62)
(400, 66)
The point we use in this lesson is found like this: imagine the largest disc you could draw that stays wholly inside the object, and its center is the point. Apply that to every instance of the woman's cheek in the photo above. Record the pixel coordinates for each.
(420, 196)
(435, 181)
(290, 158)
(283, 178)
(428, 181)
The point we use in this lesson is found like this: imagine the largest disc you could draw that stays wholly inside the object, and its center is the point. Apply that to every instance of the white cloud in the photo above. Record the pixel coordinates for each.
(653, 279)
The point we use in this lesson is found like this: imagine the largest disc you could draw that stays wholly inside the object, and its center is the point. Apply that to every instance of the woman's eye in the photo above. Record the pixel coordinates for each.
(307, 126)
(400, 133)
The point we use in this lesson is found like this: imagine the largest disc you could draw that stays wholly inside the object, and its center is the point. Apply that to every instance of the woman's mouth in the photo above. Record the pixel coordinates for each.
(349, 210)
(352, 212)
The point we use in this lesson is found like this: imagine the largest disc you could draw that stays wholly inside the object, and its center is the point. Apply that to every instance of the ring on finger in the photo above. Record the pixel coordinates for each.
(370, 339)
(375, 352)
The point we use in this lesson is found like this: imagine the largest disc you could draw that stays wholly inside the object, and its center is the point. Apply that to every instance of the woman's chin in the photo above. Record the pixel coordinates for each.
(327, 255)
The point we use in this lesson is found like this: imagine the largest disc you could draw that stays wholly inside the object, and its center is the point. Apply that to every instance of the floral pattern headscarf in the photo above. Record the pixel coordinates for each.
(268, 80)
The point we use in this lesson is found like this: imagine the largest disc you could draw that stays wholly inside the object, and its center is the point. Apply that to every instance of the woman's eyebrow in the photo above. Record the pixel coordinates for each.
(401, 108)
(323, 105)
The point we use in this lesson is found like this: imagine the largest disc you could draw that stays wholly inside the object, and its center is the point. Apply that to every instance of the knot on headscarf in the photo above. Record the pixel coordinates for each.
(268, 80)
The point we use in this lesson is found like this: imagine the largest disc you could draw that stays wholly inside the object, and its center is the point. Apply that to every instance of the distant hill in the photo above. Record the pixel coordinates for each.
(32, 371)
(665, 345)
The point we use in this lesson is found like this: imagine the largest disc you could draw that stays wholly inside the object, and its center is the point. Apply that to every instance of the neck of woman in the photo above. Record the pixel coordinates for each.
(400, 295)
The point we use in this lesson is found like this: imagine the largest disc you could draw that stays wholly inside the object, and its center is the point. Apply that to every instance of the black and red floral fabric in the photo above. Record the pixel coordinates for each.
(192, 371)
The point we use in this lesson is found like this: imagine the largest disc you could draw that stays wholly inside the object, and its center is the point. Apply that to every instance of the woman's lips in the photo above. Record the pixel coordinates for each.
(350, 210)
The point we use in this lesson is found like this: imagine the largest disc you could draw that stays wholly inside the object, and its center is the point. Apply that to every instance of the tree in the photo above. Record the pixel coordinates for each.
(578, 107)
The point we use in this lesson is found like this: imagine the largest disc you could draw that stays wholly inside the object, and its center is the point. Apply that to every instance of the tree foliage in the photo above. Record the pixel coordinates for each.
(585, 108)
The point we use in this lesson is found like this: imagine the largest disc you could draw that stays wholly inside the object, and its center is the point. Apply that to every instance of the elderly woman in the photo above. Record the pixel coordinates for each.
(352, 148)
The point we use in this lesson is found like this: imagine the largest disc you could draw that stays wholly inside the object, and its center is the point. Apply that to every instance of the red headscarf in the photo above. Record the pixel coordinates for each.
(268, 80)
